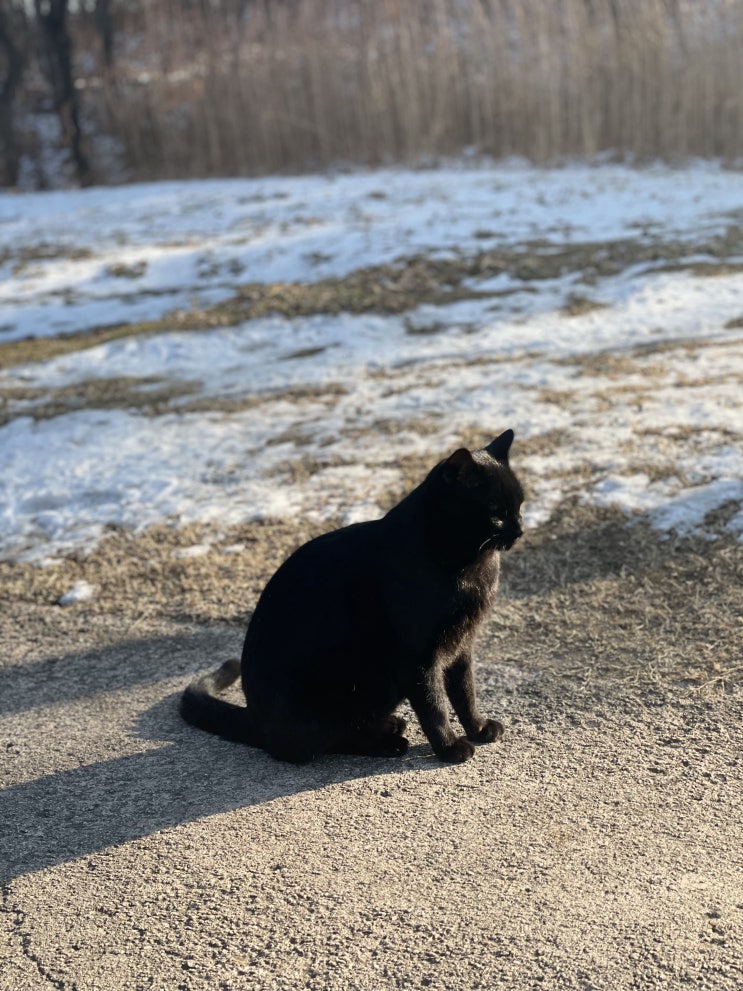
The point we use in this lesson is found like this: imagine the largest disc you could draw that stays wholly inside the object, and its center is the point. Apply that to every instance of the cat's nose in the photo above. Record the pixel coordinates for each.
(514, 532)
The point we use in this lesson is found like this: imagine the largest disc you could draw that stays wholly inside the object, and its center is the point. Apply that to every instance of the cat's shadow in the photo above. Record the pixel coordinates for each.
(183, 776)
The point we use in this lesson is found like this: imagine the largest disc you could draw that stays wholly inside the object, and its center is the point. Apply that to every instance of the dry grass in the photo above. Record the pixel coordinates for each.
(150, 397)
(144, 575)
(321, 82)
(406, 283)
(576, 305)
(588, 595)
(599, 596)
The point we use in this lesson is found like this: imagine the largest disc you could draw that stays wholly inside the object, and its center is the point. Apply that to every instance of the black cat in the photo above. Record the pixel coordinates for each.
(359, 619)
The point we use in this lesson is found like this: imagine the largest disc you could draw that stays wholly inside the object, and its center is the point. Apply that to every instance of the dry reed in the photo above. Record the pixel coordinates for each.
(315, 83)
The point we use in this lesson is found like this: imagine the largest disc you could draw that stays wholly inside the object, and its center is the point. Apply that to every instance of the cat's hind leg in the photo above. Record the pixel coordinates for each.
(298, 747)
(300, 737)
(371, 745)
(303, 749)
(375, 738)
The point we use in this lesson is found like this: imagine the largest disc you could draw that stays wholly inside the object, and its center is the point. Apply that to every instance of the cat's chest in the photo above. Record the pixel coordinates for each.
(473, 596)
(475, 587)
(470, 599)
(445, 610)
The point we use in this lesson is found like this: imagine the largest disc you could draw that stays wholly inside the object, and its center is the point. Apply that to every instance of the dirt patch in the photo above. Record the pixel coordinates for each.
(538, 444)
(637, 359)
(298, 470)
(707, 269)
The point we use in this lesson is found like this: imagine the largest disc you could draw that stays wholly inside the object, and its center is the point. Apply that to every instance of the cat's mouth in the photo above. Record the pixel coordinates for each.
(498, 542)
(503, 539)
(504, 544)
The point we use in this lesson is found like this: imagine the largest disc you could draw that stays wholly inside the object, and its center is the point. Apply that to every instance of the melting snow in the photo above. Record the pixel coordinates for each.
(637, 404)
(81, 591)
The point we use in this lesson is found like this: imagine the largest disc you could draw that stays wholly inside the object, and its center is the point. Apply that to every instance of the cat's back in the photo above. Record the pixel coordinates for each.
(312, 612)
(333, 555)
(316, 580)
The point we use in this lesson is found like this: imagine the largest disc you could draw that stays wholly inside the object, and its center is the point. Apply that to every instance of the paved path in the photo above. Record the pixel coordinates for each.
(599, 846)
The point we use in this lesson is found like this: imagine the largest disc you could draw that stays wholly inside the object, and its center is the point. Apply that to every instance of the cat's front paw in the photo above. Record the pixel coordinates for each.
(457, 752)
(490, 731)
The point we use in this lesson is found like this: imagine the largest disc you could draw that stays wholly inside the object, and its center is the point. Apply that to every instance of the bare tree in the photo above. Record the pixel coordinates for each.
(57, 50)
(104, 25)
(12, 64)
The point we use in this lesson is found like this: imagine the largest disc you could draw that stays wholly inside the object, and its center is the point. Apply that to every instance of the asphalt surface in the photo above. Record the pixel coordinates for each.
(598, 846)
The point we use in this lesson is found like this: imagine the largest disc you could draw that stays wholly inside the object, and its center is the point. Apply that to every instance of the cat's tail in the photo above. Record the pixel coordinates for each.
(201, 708)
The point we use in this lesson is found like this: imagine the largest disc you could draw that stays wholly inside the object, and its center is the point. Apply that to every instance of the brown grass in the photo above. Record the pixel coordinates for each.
(320, 82)
(588, 595)
(594, 594)
(407, 283)
(157, 398)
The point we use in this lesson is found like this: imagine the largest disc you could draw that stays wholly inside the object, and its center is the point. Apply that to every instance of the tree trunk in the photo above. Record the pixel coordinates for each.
(52, 16)
(12, 64)
(104, 24)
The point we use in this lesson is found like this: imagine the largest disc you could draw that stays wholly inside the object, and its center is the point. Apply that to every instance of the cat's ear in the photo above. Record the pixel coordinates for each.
(460, 467)
(500, 447)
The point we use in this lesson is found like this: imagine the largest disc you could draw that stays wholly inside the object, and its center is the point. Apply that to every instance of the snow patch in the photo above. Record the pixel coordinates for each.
(81, 591)
(636, 405)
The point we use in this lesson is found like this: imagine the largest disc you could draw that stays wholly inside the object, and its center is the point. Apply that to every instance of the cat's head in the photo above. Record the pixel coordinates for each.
(481, 495)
